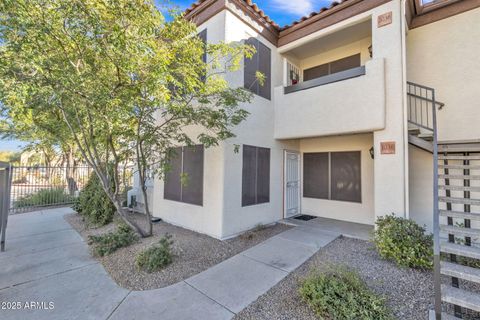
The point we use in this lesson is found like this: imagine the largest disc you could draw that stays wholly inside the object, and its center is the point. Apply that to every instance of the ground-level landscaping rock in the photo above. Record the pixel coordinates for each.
(409, 292)
(192, 252)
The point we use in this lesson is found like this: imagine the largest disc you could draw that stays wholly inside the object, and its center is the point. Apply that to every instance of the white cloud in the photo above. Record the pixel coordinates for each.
(297, 7)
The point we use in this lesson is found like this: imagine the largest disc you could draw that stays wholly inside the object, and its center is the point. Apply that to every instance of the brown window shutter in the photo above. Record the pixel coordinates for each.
(315, 175)
(346, 184)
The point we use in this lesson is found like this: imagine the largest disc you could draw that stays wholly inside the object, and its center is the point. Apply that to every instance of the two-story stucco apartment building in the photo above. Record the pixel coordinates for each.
(369, 107)
(331, 133)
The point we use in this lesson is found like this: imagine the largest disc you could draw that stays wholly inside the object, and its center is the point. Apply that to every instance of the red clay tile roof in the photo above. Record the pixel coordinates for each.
(262, 14)
(249, 3)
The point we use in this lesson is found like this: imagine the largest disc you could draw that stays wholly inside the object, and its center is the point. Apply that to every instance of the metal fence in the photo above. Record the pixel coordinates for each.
(38, 186)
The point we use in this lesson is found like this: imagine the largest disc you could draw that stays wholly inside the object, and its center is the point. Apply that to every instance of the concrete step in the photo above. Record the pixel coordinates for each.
(459, 188)
(458, 157)
(458, 166)
(459, 176)
(426, 136)
(445, 316)
(420, 143)
(459, 147)
(414, 131)
(459, 231)
(461, 298)
(474, 202)
(459, 271)
(460, 214)
(460, 250)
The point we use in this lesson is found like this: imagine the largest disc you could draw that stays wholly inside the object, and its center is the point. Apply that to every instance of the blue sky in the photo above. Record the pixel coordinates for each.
(281, 11)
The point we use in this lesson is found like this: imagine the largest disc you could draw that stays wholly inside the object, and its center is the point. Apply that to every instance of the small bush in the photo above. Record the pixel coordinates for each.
(341, 294)
(44, 197)
(94, 204)
(156, 257)
(110, 242)
(403, 241)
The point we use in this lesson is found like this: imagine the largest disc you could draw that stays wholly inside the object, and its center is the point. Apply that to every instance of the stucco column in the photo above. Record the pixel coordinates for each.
(390, 167)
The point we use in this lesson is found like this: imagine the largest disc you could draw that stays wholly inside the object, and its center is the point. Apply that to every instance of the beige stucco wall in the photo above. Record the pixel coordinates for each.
(207, 218)
(257, 130)
(445, 55)
(421, 186)
(360, 46)
(363, 212)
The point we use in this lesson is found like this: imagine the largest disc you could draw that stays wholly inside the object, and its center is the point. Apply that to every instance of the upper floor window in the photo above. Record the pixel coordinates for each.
(203, 36)
(184, 180)
(332, 67)
(261, 61)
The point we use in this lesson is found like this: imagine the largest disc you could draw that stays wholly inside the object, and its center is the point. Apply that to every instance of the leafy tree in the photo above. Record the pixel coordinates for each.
(126, 84)
(10, 156)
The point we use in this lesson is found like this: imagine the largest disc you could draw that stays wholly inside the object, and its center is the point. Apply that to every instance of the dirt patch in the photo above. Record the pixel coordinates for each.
(193, 252)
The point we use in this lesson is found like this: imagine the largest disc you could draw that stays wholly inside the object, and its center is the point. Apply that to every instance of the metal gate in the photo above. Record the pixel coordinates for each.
(292, 183)
(5, 183)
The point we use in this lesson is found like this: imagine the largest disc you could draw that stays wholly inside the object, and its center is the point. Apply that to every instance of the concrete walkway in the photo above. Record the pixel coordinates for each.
(48, 262)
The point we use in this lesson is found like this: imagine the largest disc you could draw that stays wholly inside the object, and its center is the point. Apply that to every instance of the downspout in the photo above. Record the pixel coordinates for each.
(403, 29)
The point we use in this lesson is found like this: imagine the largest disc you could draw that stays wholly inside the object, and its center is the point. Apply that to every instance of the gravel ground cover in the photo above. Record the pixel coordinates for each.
(193, 252)
(409, 293)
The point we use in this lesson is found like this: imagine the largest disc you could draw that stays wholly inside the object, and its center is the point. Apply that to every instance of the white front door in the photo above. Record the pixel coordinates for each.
(292, 183)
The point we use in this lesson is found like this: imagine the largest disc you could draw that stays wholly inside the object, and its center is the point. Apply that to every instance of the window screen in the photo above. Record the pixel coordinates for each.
(315, 175)
(332, 67)
(255, 175)
(173, 189)
(346, 176)
(261, 61)
(187, 162)
(333, 176)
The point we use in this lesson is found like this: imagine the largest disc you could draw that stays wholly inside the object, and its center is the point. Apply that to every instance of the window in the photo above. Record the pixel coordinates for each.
(333, 176)
(186, 162)
(261, 61)
(332, 67)
(255, 175)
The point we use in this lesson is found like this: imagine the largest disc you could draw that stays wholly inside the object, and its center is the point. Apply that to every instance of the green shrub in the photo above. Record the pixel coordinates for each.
(341, 294)
(110, 242)
(403, 241)
(44, 197)
(156, 257)
(94, 204)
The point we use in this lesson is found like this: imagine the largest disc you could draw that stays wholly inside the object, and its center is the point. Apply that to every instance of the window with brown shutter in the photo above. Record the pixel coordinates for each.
(339, 65)
(186, 162)
(255, 175)
(261, 61)
(332, 176)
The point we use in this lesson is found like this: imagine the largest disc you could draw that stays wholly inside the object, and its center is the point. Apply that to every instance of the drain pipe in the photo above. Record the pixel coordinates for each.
(403, 31)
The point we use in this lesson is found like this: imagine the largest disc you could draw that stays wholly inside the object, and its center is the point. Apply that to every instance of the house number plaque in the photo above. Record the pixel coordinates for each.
(384, 19)
(387, 147)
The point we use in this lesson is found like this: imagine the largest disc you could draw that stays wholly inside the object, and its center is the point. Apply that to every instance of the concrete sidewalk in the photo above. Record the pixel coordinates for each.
(47, 261)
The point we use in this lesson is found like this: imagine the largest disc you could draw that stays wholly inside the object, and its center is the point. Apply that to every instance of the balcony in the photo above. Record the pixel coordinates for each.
(350, 101)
